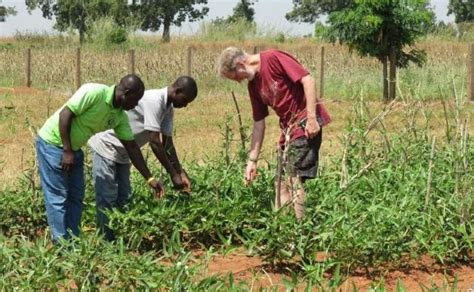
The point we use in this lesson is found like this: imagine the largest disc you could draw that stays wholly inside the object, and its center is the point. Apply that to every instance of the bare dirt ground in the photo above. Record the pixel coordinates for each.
(419, 276)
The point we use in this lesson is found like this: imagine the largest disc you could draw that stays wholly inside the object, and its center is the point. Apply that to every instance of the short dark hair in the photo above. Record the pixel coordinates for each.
(133, 83)
(188, 85)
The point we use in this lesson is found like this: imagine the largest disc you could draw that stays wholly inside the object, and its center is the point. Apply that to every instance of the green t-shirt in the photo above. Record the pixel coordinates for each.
(94, 113)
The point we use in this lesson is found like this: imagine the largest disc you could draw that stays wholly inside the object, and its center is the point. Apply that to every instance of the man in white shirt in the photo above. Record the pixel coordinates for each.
(151, 122)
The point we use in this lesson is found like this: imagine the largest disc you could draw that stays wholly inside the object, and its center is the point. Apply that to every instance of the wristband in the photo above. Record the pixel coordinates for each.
(253, 160)
(150, 180)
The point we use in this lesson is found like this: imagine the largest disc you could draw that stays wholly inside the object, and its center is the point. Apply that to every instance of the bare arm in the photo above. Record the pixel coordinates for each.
(258, 134)
(65, 121)
(136, 157)
(312, 127)
(171, 153)
(173, 157)
(157, 145)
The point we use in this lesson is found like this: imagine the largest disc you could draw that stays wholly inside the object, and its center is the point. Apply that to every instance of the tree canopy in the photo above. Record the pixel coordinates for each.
(157, 13)
(311, 10)
(243, 10)
(5, 11)
(379, 28)
(463, 10)
(79, 14)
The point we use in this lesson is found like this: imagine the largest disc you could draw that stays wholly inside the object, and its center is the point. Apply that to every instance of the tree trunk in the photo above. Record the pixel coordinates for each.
(393, 73)
(385, 77)
(166, 31)
(81, 36)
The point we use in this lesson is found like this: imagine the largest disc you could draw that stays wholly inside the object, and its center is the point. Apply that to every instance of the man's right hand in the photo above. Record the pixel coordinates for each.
(68, 160)
(250, 172)
(158, 189)
(177, 181)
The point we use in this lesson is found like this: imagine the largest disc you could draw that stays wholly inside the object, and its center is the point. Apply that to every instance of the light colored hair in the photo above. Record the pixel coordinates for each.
(228, 59)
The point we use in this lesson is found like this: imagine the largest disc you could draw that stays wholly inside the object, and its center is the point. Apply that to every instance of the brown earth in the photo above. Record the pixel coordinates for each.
(421, 275)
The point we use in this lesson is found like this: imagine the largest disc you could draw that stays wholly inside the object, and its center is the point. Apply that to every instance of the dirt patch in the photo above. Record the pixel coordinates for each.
(419, 276)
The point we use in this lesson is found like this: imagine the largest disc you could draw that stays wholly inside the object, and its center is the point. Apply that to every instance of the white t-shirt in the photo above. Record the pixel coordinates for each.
(151, 114)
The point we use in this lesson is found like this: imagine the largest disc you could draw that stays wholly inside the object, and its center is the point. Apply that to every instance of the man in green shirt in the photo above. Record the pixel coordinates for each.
(92, 109)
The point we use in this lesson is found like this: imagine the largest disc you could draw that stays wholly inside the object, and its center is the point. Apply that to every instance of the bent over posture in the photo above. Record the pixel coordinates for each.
(278, 80)
(151, 121)
(92, 109)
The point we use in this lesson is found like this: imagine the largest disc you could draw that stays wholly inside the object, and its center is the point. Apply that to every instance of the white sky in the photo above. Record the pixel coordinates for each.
(268, 13)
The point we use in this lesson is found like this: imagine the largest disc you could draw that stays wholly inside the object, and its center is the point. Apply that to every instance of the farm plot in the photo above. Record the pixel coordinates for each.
(392, 203)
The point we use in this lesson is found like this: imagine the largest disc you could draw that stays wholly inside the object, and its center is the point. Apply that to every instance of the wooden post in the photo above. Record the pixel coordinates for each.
(321, 74)
(78, 68)
(392, 74)
(131, 61)
(190, 57)
(28, 67)
(470, 73)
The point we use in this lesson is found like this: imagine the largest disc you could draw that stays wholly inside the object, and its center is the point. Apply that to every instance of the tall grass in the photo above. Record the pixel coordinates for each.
(346, 75)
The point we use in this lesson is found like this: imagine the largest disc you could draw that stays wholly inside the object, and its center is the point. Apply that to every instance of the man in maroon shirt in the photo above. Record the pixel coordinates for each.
(278, 80)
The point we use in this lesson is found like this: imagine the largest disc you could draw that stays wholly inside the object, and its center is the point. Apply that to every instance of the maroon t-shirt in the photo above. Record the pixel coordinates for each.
(278, 84)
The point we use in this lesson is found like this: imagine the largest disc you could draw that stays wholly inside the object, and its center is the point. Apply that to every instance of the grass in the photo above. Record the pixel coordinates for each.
(377, 219)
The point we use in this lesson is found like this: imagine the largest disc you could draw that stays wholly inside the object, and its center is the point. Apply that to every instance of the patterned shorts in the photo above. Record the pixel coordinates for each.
(303, 157)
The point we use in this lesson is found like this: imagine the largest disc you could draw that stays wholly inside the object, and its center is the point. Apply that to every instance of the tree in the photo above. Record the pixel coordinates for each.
(310, 10)
(463, 10)
(79, 14)
(156, 13)
(5, 11)
(243, 10)
(384, 29)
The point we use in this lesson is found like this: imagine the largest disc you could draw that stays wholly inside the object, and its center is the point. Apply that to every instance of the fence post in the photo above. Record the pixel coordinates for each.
(78, 68)
(255, 49)
(190, 60)
(470, 73)
(131, 61)
(321, 75)
(28, 67)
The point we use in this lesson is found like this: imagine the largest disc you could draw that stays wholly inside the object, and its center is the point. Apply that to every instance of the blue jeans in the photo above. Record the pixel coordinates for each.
(112, 189)
(63, 191)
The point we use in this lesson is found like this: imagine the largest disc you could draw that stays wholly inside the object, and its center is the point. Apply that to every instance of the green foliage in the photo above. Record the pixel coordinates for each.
(104, 32)
(6, 11)
(78, 14)
(321, 31)
(372, 206)
(243, 10)
(311, 10)
(157, 13)
(90, 263)
(374, 28)
(463, 10)
(221, 29)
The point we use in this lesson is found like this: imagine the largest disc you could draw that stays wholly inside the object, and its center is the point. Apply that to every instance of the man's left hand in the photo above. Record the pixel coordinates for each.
(186, 182)
(312, 128)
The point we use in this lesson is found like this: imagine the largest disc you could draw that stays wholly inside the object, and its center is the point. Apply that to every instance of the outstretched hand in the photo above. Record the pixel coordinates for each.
(177, 181)
(250, 172)
(157, 189)
(186, 182)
